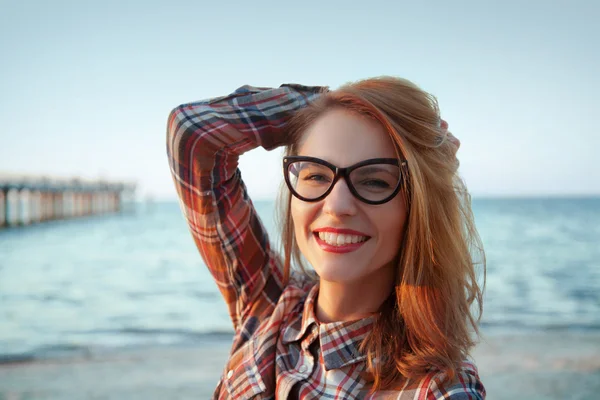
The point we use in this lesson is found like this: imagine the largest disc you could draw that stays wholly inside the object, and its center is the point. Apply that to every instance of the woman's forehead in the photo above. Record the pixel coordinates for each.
(344, 138)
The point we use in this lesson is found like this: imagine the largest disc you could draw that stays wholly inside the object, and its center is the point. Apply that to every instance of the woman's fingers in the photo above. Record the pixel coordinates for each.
(454, 140)
(450, 136)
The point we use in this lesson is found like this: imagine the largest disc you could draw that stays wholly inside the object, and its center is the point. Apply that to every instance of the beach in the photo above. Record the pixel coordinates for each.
(536, 366)
(122, 307)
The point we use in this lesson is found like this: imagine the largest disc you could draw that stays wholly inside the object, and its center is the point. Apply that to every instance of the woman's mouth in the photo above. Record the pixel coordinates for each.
(339, 242)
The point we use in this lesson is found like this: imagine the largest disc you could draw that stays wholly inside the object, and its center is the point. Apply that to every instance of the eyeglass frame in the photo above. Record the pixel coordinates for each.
(345, 173)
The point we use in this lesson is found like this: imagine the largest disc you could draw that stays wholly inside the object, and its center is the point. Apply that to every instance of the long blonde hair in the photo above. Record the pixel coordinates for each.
(428, 321)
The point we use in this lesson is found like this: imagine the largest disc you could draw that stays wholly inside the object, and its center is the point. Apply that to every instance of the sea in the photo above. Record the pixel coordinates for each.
(135, 279)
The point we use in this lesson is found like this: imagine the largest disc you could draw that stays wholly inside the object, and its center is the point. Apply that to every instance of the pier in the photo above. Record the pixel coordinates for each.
(26, 200)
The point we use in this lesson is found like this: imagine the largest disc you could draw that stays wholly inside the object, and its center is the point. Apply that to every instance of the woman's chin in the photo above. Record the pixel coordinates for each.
(336, 273)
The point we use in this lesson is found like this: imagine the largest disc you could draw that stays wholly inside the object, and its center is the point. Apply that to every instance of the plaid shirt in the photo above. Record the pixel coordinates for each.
(280, 350)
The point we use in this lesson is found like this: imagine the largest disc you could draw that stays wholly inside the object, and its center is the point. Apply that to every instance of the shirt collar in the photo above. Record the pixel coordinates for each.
(300, 322)
(339, 341)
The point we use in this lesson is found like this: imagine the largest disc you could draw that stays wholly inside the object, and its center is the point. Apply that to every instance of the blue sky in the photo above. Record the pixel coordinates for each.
(86, 87)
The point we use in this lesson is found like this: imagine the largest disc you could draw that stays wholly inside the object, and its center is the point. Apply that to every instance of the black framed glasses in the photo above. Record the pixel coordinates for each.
(373, 181)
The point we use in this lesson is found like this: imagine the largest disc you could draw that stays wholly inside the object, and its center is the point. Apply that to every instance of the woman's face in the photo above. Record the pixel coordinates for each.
(344, 138)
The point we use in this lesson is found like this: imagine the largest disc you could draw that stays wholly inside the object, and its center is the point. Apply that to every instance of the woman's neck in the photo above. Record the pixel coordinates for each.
(348, 301)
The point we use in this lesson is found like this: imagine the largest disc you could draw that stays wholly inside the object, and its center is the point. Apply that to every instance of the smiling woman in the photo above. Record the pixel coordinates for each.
(373, 202)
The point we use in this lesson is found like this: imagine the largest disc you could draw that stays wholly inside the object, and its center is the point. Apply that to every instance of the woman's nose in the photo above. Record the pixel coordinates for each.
(340, 200)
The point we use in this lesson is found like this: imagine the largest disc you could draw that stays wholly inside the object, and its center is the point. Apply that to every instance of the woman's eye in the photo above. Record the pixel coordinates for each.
(375, 184)
(316, 178)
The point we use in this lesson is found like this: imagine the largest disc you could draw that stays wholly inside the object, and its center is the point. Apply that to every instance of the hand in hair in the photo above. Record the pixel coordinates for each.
(450, 136)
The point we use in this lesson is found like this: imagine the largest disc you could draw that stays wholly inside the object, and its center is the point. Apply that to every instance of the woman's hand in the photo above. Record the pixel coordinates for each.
(449, 135)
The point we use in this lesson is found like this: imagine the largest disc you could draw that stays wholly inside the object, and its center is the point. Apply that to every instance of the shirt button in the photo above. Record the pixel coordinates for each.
(229, 374)
(303, 368)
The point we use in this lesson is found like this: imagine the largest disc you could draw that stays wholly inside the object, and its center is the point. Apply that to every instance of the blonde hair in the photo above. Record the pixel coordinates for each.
(427, 320)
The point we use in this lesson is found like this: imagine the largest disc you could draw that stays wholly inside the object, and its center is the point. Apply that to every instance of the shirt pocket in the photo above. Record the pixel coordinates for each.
(242, 378)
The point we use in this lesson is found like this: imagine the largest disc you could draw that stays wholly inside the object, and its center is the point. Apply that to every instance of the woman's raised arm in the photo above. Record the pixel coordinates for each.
(204, 142)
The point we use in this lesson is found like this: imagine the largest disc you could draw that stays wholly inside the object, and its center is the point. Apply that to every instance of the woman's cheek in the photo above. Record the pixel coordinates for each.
(302, 217)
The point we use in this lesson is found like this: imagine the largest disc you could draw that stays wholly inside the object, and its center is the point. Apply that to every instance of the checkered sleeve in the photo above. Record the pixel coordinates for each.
(466, 385)
(204, 142)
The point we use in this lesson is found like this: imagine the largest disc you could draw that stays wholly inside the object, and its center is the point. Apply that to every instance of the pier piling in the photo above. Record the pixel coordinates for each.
(26, 200)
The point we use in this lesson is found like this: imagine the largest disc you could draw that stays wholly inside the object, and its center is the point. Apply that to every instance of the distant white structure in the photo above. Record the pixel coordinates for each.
(26, 199)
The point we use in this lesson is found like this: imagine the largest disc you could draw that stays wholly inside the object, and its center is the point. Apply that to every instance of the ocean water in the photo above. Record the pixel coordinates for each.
(136, 279)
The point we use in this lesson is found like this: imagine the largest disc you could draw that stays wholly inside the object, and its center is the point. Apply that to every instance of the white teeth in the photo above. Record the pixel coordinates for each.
(340, 240)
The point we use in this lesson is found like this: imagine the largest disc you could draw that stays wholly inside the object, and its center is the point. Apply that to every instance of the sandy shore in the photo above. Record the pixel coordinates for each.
(536, 366)
(540, 366)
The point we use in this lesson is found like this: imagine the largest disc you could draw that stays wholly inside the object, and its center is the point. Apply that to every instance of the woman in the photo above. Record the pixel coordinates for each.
(374, 203)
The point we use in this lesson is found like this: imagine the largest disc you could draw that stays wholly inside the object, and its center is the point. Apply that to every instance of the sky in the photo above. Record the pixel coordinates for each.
(86, 86)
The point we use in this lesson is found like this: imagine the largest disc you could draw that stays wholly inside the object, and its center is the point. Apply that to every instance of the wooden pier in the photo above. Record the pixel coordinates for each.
(26, 200)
